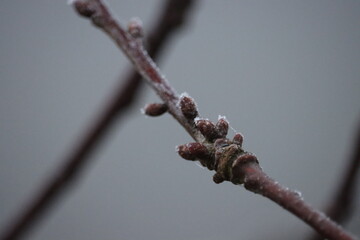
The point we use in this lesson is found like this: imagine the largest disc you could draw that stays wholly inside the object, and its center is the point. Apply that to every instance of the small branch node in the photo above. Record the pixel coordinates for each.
(135, 28)
(238, 166)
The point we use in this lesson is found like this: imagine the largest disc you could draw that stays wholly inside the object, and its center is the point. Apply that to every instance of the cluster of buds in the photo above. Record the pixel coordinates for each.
(216, 152)
(212, 131)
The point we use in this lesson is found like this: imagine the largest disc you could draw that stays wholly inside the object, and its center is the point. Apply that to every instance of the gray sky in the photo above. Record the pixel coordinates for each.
(284, 73)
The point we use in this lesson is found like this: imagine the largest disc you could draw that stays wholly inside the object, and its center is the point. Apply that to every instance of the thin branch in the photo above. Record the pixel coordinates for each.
(342, 203)
(258, 182)
(135, 51)
(172, 17)
(211, 148)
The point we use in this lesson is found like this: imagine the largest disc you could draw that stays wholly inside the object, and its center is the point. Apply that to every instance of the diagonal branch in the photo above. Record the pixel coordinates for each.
(211, 148)
(171, 19)
(342, 203)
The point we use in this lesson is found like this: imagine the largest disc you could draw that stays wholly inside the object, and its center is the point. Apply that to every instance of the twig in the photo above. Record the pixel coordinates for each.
(172, 17)
(341, 204)
(211, 148)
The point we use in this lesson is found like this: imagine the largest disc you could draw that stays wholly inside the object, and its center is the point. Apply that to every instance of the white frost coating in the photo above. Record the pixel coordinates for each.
(176, 148)
(185, 94)
(222, 117)
(199, 165)
(298, 193)
(136, 21)
(233, 129)
(200, 118)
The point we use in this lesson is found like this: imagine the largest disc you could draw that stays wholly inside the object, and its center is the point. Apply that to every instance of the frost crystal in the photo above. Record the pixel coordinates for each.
(199, 165)
(298, 193)
(222, 117)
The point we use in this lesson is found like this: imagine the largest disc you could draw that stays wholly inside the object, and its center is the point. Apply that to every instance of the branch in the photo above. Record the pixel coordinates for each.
(340, 207)
(172, 17)
(211, 148)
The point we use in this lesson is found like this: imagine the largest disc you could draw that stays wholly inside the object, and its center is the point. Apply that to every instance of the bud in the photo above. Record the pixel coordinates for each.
(207, 128)
(188, 107)
(222, 127)
(193, 151)
(238, 139)
(83, 8)
(217, 178)
(155, 109)
(135, 28)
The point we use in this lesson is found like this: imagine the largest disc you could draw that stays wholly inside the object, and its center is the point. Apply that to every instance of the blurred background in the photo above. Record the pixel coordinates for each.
(285, 73)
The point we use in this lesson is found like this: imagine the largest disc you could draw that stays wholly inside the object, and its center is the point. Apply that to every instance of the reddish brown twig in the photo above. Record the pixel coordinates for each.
(256, 181)
(212, 148)
(339, 208)
(172, 17)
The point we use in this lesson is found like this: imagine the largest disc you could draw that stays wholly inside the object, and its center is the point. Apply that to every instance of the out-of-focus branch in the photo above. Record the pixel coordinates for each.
(172, 17)
(342, 203)
(211, 148)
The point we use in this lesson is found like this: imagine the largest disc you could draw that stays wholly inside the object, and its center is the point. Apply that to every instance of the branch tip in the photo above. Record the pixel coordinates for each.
(83, 8)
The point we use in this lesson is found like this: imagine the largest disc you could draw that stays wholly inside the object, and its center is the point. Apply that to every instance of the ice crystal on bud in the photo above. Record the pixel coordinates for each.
(188, 106)
(222, 117)
(154, 109)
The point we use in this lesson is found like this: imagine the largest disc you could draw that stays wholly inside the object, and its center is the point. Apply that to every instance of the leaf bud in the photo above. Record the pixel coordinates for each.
(207, 128)
(193, 151)
(188, 107)
(238, 139)
(155, 109)
(222, 127)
